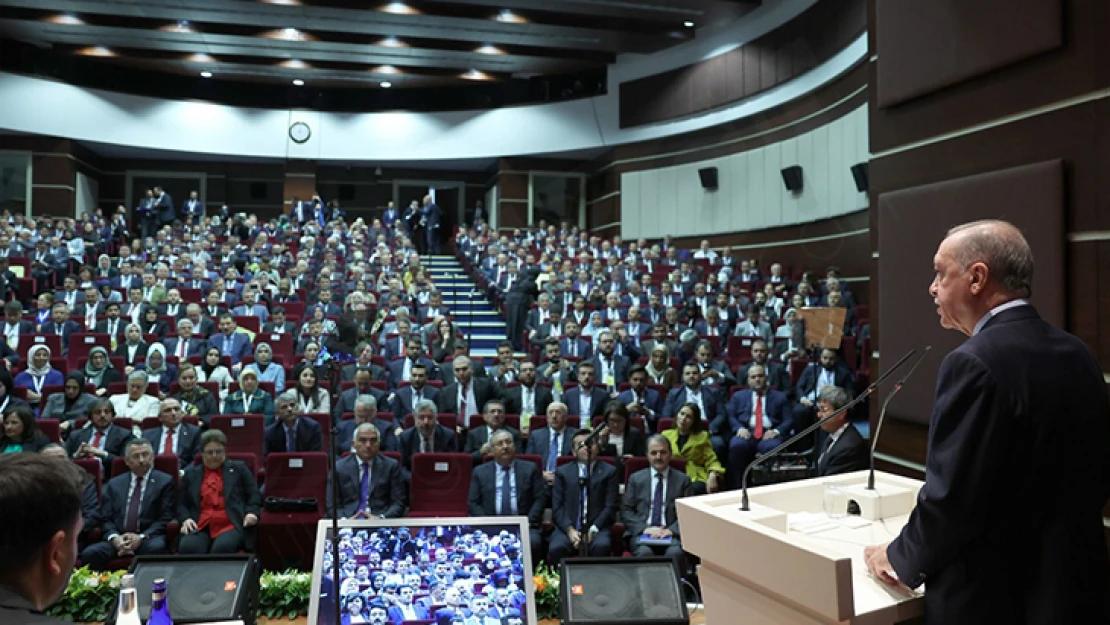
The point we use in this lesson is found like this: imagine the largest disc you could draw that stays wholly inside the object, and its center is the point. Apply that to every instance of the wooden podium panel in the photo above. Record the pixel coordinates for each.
(786, 562)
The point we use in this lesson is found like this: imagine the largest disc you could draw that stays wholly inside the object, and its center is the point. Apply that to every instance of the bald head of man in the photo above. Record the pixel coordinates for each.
(979, 266)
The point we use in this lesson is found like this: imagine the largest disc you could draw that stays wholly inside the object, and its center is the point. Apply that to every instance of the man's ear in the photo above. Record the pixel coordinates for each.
(56, 553)
(979, 274)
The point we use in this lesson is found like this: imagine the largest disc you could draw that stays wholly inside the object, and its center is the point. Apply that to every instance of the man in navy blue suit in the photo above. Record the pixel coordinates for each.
(1012, 404)
(571, 344)
(432, 214)
(640, 399)
(291, 433)
(390, 216)
(710, 399)
(229, 341)
(60, 324)
(756, 420)
(831, 371)
(401, 370)
(586, 400)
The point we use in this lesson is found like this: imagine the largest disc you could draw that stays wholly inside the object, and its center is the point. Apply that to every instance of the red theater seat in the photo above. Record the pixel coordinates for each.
(440, 485)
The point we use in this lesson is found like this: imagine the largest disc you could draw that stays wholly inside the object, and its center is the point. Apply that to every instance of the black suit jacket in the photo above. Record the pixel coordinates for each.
(155, 511)
(712, 398)
(566, 497)
(531, 491)
(485, 389)
(388, 439)
(808, 380)
(621, 366)
(1011, 403)
(346, 402)
(116, 438)
(241, 496)
(387, 488)
(347, 373)
(480, 435)
(539, 442)
(636, 506)
(188, 441)
(402, 399)
(309, 436)
(573, 400)
(777, 375)
(514, 403)
(446, 441)
(849, 453)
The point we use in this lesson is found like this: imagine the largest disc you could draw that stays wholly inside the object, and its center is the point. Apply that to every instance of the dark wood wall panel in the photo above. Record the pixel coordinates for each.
(1077, 67)
(781, 55)
(926, 46)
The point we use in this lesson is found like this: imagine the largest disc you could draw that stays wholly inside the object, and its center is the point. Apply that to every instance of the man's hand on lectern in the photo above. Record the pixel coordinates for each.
(879, 565)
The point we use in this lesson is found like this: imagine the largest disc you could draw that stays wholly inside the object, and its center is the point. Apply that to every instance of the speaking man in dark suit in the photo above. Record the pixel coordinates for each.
(506, 487)
(843, 450)
(427, 436)
(479, 440)
(467, 395)
(566, 502)
(527, 398)
(291, 433)
(174, 437)
(1011, 404)
(137, 506)
(370, 485)
(586, 400)
(100, 438)
(756, 420)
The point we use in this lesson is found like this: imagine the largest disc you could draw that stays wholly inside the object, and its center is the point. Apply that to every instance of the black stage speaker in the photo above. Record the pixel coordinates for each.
(708, 177)
(621, 591)
(201, 589)
(792, 178)
(859, 173)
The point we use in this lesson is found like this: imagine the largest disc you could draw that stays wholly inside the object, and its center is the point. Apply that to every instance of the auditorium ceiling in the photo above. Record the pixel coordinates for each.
(348, 54)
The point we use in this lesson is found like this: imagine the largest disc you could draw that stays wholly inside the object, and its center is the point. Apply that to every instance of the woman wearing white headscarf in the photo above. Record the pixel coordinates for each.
(158, 369)
(38, 374)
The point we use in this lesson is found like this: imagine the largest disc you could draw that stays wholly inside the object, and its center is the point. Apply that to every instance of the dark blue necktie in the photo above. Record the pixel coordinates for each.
(507, 492)
(657, 502)
(364, 498)
(290, 439)
(553, 451)
(581, 497)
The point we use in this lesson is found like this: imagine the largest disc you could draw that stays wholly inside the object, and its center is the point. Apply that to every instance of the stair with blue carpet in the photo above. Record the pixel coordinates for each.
(475, 316)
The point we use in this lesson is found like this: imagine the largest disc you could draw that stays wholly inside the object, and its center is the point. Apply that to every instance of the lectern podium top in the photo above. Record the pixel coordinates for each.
(787, 550)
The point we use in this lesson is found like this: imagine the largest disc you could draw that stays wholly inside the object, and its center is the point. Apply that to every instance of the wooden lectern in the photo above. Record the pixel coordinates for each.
(788, 562)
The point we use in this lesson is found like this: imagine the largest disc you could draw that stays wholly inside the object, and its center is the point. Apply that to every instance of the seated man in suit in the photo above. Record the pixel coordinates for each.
(346, 401)
(366, 411)
(610, 367)
(61, 325)
(184, 344)
(401, 370)
(552, 441)
(778, 377)
(758, 419)
(566, 502)
(571, 344)
(506, 487)
(406, 397)
(229, 340)
(555, 369)
(479, 439)
(752, 325)
(404, 609)
(364, 351)
(843, 450)
(714, 373)
(830, 371)
(291, 433)
(586, 400)
(468, 394)
(528, 398)
(136, 508)
(640, 399)
(505, 369)
(709, 399)
(174, 437)
(100, 438)
(648, 510)
(395, 347)
(370, 485)
(278, 324)
(427, 436)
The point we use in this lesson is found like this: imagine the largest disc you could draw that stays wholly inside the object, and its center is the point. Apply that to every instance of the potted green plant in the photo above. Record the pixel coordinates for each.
(88, 597)
(284, 594)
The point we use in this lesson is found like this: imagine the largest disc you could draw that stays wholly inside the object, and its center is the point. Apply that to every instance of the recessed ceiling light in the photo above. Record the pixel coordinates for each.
(386, 69)
(206, 74)
(489, 49)
(392, 42)
(509, 17)
(475, 75)
(385, 84)
(688, 24)
(68, 19)
(298, 82)
(291, 33)
(398, 8)
(96, 51)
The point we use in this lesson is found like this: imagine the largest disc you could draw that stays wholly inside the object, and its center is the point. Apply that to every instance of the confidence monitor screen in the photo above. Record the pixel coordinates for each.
(447, 571)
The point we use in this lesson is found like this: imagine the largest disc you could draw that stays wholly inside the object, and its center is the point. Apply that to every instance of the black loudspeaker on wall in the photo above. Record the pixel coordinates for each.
(200, 589)
(708, 177)
(859, 173)
(611, 591)
(792, 178)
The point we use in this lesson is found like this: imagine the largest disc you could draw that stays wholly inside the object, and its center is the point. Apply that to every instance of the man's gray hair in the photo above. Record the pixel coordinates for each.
(366, 427)
(834, 396)
(183, 320)
(498, 435)
(1002, 247)
(658, 438)
(288, 397)
(139, 375)
(424, 405)
(367, 401)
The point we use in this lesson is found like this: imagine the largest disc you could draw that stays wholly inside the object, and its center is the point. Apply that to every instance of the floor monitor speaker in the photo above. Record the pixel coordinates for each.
(200, 589)
(612, 591)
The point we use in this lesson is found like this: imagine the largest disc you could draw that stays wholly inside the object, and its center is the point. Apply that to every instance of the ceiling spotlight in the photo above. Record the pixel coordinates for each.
(398, 8)
(206, 74)
(298, 82)
(68, 19)
(292, 34)
(489, 49)
(392, 42)
(475, 75)
(96, 51)
(385, 84)
(386, 69)
(509, 17)
(688, 24)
